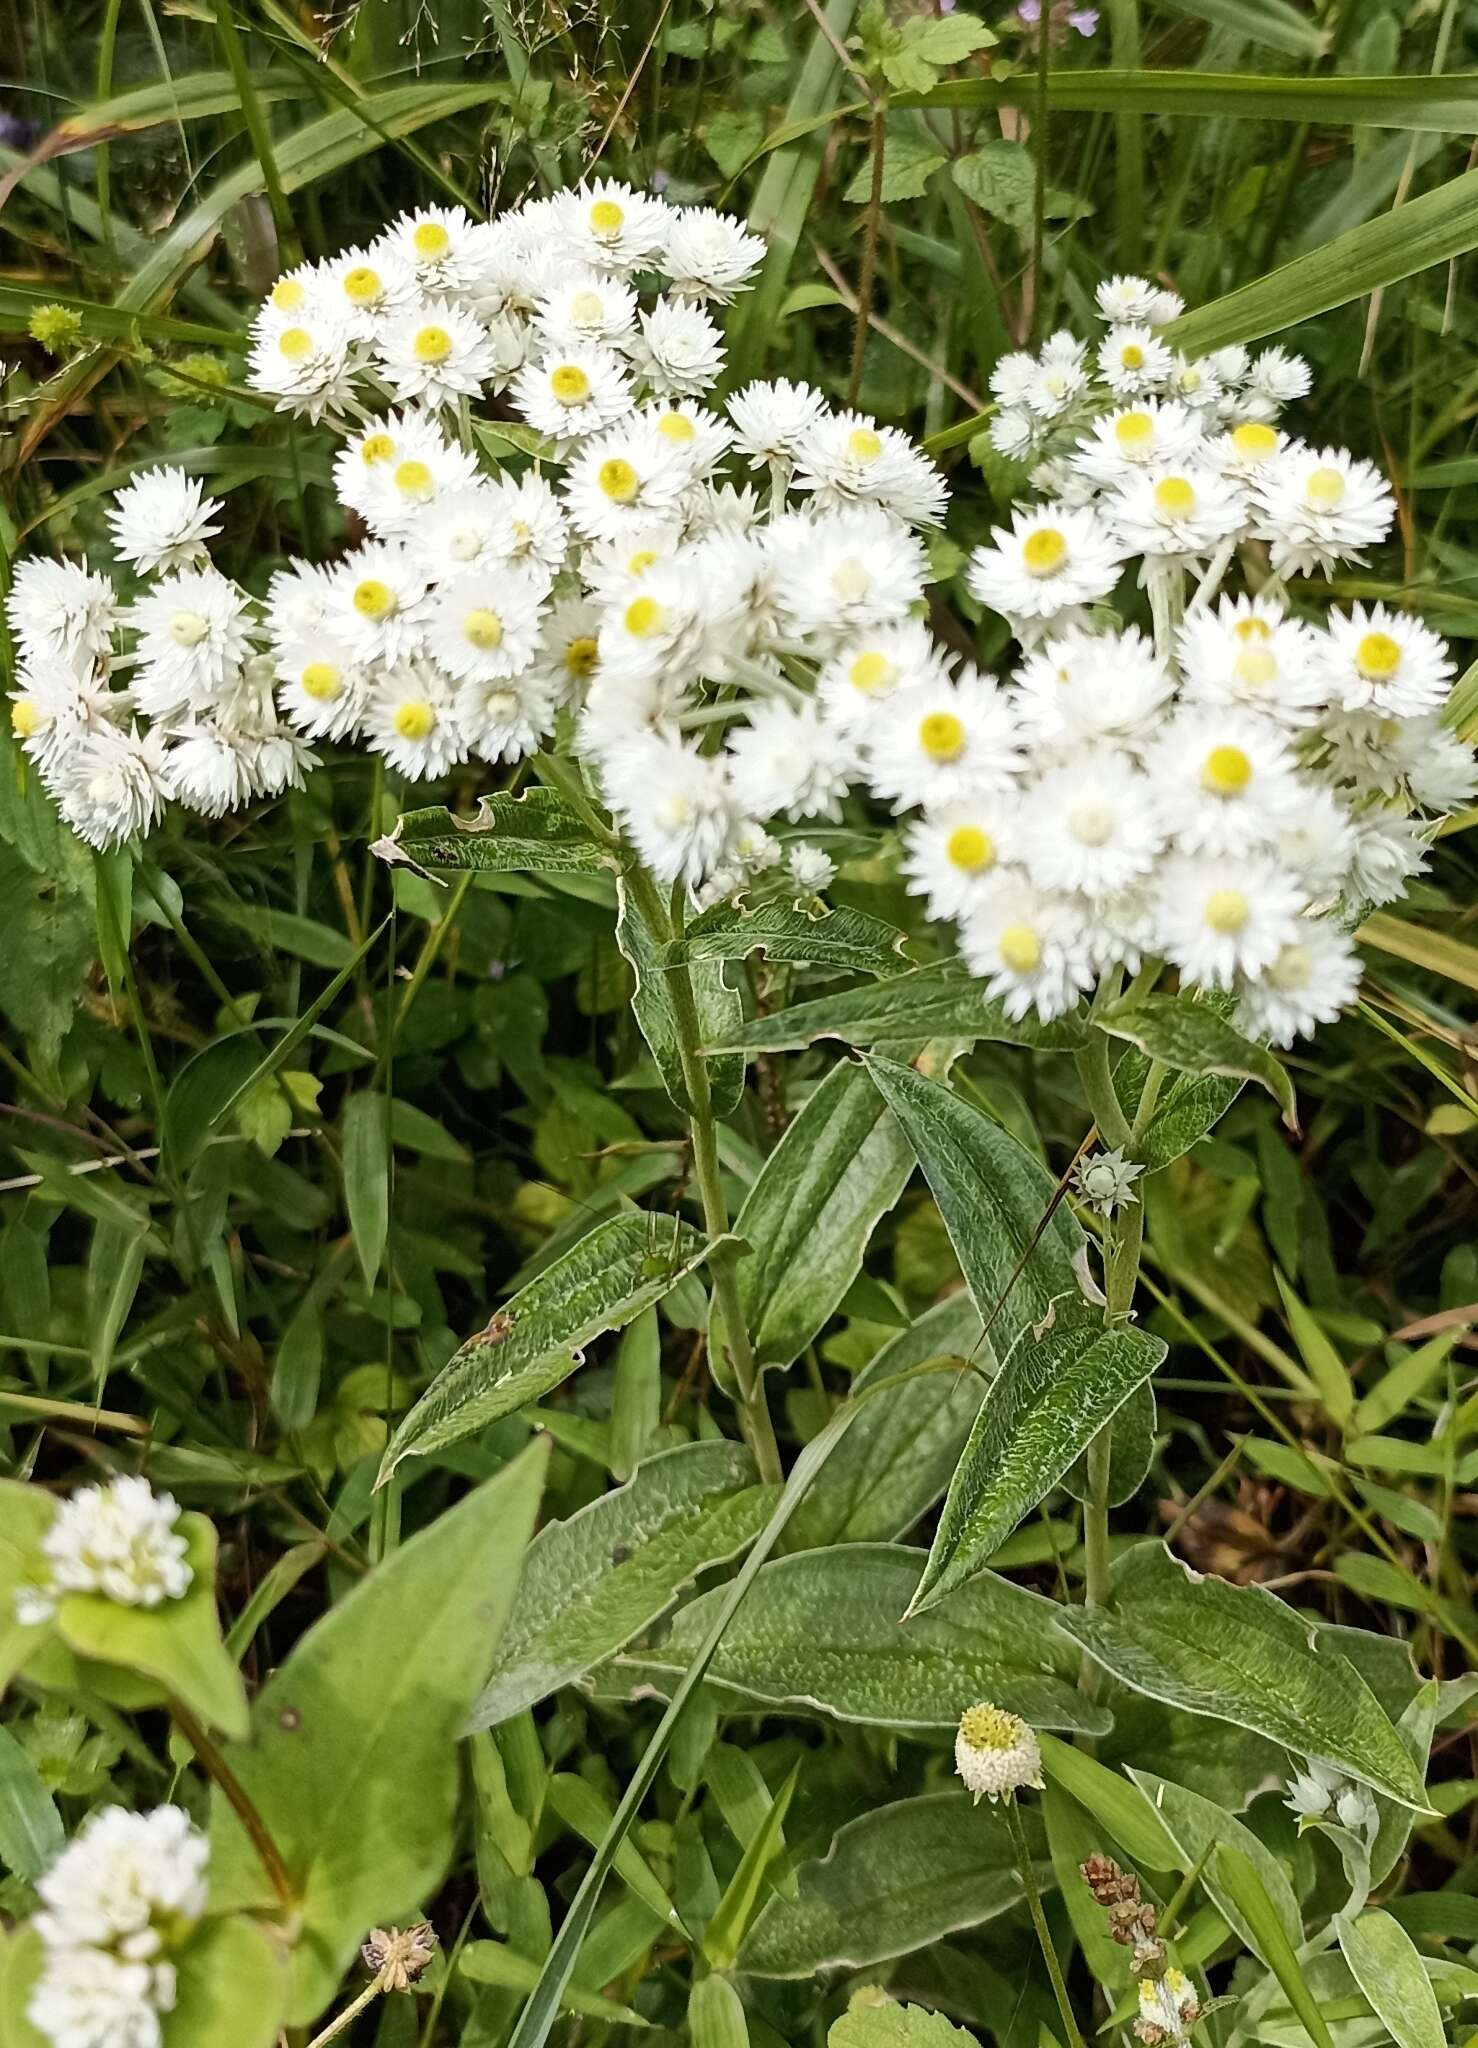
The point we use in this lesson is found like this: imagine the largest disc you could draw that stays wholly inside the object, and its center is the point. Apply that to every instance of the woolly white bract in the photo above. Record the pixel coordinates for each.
(723, 601)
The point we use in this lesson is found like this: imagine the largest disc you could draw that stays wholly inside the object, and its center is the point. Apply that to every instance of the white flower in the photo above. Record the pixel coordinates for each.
(321, 690)
(1131, 361)
(771, 421)
(1315, 840)
(573, 394)
(679, 351)
(699, 436)
(53, 705)
(1174, 514)
(709, 255)
(1053, 558)
(439, 245)
(1089, 825)
(305, 365)
(483, 625)
(1030, 947)
(1198, 385)
(537, 535)
(675, 803)
(91, 1998)
(363, 288)
(1318, 507)
(435, 352)
(1056, 377)
(119, 1540)
(506, 717)
(1244, 452)
(1383, 662)
(375, 608)
(1277, 377)
(810, 868)
(210, 770)
(941, 743)
(394, 472)
(950, 854)
(1221, 918)
(413, 718)
(113, 785)
(1249, 653)
(846, 457)
(569, 652)
(1309, 981)
(1123, 299)
(61, 609)
(840, 574)
(996, 1753)
(1105, 1180)
(1389, 849)
(192, 631)
(1221, 781)
(624, 480)
(1168, 2009)
(611, 227)
(299, 599)
(866, 671)
(584, 309)
(1082, 686)
(787, 758)
(162, 520)
(1151, 434)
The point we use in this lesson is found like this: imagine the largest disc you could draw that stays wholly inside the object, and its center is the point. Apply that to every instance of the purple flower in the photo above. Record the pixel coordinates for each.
(1084, 20)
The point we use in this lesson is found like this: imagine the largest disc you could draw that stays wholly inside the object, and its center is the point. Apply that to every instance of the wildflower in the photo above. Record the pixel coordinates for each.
(1105, 1180)
(996, 1753)
(399, 1955)
(58, 329)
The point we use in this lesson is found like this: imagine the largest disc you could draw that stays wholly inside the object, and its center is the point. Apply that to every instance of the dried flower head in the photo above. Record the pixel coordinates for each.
(399, 1955)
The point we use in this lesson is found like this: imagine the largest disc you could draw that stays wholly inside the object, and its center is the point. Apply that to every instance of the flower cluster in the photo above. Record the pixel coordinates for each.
(725, 601)
(115, 1903)
(119, 1540)
(1168, 2004)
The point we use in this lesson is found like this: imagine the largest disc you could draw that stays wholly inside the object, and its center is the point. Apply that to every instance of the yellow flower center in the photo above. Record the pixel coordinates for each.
(987, 1727)
(188, 629)
(1132, 356)
(580, 657)
(1044, 552)
(295, 343)
(430, 241)
(1133, 430)
(483, 629)
(1254, 440)
(373, 599)
(376, 448)
(25, 718)
(970, 850)
(618, 479)
(414, 719)
(1325, 489)
(431, 345)
(586, 308)
(942, 736)
(872, 672)
(639, 563)
(569, 384)
(644, 617)
(1252, 629)
(414, 480)
(1190, 379)
(606, 217)
(1378, 657)
(320, 680)
(1255, 667)
(1174, 498)
(863, 445)
(288, 294)
(1226, 771)
(676, 426)
(1292, 968)
(1226, 911)
(362, 285)
(1021, 950)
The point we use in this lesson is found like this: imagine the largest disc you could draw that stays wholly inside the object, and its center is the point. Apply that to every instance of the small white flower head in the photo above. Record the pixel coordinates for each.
(709, 255)
(536, 535)
(1029, 946)
(375, 609)
(679, 352)
(321, 689)
(1105, 1180)
(305, 364)
(53, 705)
(1052, 559)
(1277, 378)
(413, 718)
(1249, 653)
(1389, 849)
(810, 868)
(61, 610)
(584, 309)
(438, 244)
(1148, 435)
(996, 1753)
(193, 635)
(675, 802)
(435, 352)
(1309, 981)
(571, 394)
(1244, 452)
(569, 652)
(1198, 385)
(1315, 839)
(93, 1998)
(1220, 781)
(942, 743)
(950, 854)
(1311, 1793)
(1356, 1810)
(1089, 825)
(788, 758)
(1125, 299)
(1221, 918)
(120, 1540)
(299, 600)
(483, 625)
(162, 520)
(363, 289)
(1319, 507)
(399, 469)
(1383, 662)
(1174, 514)
(844, 573)
(1081, 687)
(862, 675)
(700, 437)
(1056, 379)
(113, 785)
(624, 481)
(1131, 361)
(297, 292)
(1168, 2009)
(506, 717)
(771, 421)
(609, 226)
(846, 458)
(211, 770)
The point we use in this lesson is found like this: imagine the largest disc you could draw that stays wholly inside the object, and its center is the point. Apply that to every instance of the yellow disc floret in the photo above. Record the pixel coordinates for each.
(1254, 440)
(1325, 489)
(1378, 657)
(362, 285)
(414, 480)
(1226, 911)
(415, 719)
(376, 448)
(871, 672)
(863, 445)
(320, 681)
(1132, 356)
(1174, 498)
(288, 294)
(676, 426)
(569, 384)
(1021, 951)
(1133, 430)
(639, 563)
(373, 599)
(431, 345)
(1044, 551)
(188, 629)
(295, 344)
(942, 736)
(26, 718)
(618, 479)
(580, 656)
(644, 617)
(970, 850)
(606, 217)
(483, 629)
(1226, 771)
(1255, 667)
(430, 241)
(1252, 629)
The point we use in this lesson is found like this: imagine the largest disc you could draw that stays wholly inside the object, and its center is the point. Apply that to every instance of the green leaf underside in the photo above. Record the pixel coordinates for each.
(942, 1001)
(1199, 1827)
(353, 1764)
(893, 1880)
(536, 832)
(1239, 1654)
(821, 1630)
(842, 938)
(1190, 1036)
(605, 1279)
(1047, 1403)
(591, 1583)
(1388, 1967)
(840, 1167)
(720, 1009)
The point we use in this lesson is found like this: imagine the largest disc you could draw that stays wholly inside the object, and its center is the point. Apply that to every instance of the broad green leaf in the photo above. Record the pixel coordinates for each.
(536, 832)
(1237, 1879)
(177, 1644)
(1406, 1381)
(26, 1513)
(823, 1632)
(593, 1582)
(897, 1457)
(894, 1880)
(1071, 1838)
(353, 1762)
(726, 1929)
(1190, 1036)
(1192, 1105)
(1017, 1251)
(30, 1827)
(1045, 1406)
(366, 1178)
(1131, 1450)
(1274, 23)
(1388, 1967)
(21, 1957)
(1416, 1728)
(1111, 1799)
(636, 1399)
(184, 96)
(1239, 1654)
(534, 1341)
(233, 1986)
(845, 939)
(1200, 1830)
(943, 1001)
(718, 1007)
(840, 1167)
(875, 2021)
(716, 2015)
(909, 162)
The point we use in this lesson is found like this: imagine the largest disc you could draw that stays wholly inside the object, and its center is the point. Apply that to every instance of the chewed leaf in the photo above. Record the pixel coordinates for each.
(535, 832)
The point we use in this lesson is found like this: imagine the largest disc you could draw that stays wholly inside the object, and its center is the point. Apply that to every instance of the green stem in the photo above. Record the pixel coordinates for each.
(1039, 1920)
(239, 1799)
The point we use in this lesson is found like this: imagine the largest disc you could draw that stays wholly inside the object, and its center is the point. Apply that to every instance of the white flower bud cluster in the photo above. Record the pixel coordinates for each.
(119, 1540)
(727, 597)
(114, 1905)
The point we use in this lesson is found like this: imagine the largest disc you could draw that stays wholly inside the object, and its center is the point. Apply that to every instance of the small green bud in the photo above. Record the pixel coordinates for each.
(57, 328)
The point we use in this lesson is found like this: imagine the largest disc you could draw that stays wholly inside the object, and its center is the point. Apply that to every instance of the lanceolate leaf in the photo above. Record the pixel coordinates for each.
(942, 1001)
(1239, 1654)
(1190, 1036)
(593, 1582)
(845, 939)
(1235, 1878)
(822, 1631)
(995, 1199)
(892, 1881)
(534, 1341)
(1192, 1105)
(1387, 1965)
(719, 1007)
(1045, 1406)
(841, 1165)
(535, 832)
(353, 1762)
(1200, 1828)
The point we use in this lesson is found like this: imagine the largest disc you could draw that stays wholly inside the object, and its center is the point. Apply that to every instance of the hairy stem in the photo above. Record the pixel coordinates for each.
(1039, 1921)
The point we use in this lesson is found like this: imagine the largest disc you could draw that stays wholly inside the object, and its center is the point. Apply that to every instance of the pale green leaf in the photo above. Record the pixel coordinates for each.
(1388, 1967)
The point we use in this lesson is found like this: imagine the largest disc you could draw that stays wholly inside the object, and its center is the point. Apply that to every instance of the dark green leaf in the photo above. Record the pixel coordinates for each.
(843, 939)
(536, 832)
(942, 1001)
(1189, 1035)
